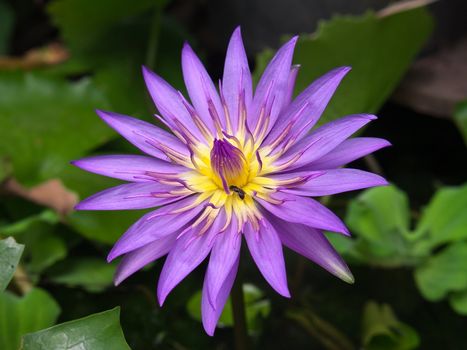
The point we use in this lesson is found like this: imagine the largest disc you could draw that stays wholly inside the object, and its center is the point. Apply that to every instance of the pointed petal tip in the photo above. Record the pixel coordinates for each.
(79, 206)
(111, 256)
(383, 182)
(162, 293)
(187, 49)
(117, 281)
(77, 163)
(236, 39)
(161, 297)
(294, 39)
(209, 329)
(149, 75)
(346, 276)
(285, 293)
(107, 117)
(342, 229)
(340, 72)
(145, 69)
(386, 143)
(345, 69)
(99, 111)
(289, 44)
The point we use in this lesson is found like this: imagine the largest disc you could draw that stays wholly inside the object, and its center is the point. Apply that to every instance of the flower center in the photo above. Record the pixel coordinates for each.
(229, 165)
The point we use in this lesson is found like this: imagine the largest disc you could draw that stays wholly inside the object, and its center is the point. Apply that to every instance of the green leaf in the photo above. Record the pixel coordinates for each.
(445, 218)
(382, 330)
(20, 315)
(92, 274)
(103, 226)
(458, 301)
(43, 246)
(100, 17)
(10, 253)
(379, 49)
(30, 223)
(47, 122)
(43, 249)
(460, 117)
(256, 306)
(380, 219)
(99, 331)
(122, 82)
(378, 212)
(120, 77)
(5, 169)
(115, 42)
(443, 273)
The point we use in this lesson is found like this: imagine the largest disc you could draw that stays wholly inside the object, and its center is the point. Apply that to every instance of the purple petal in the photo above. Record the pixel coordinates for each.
(336, 181)
(237, 77)
(224, 254)
(211, 312)
(128, 167)
(314, 245)
(299, 176)
(307, 108)
(266, 249)
(201, 88)
(189, 251)
(273, 82)
(324, 139)
(169, 102)
(155, 225)
(346, 152)
(129, 196)
(304, 211)
(147, 137)
(290, 86)
(140, 257)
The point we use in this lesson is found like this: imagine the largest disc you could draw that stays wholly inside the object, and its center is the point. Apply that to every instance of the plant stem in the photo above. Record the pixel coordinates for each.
(153, 41)
(21, 280)
(373, 164)
(238, 310)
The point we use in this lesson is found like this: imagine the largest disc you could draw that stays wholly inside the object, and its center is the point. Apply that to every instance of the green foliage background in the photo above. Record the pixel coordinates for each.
(55, 296)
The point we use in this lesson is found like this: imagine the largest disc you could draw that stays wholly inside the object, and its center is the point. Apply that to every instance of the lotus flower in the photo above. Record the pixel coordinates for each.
(237, 164)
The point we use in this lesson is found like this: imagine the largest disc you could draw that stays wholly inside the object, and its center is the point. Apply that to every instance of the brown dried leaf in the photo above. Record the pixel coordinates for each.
(48, 55)
(51, 193)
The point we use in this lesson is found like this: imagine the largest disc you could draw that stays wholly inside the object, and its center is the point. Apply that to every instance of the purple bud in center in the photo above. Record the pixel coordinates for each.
(228, 164)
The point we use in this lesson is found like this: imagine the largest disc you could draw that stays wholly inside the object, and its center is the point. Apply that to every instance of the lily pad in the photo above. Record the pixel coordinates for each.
(99, 331)
(10, 253)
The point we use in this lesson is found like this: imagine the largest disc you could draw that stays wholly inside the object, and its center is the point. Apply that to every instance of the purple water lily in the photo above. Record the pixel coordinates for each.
(237, 164)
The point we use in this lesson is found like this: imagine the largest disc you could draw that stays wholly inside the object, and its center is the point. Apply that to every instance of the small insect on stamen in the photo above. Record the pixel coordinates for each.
(238, 191)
